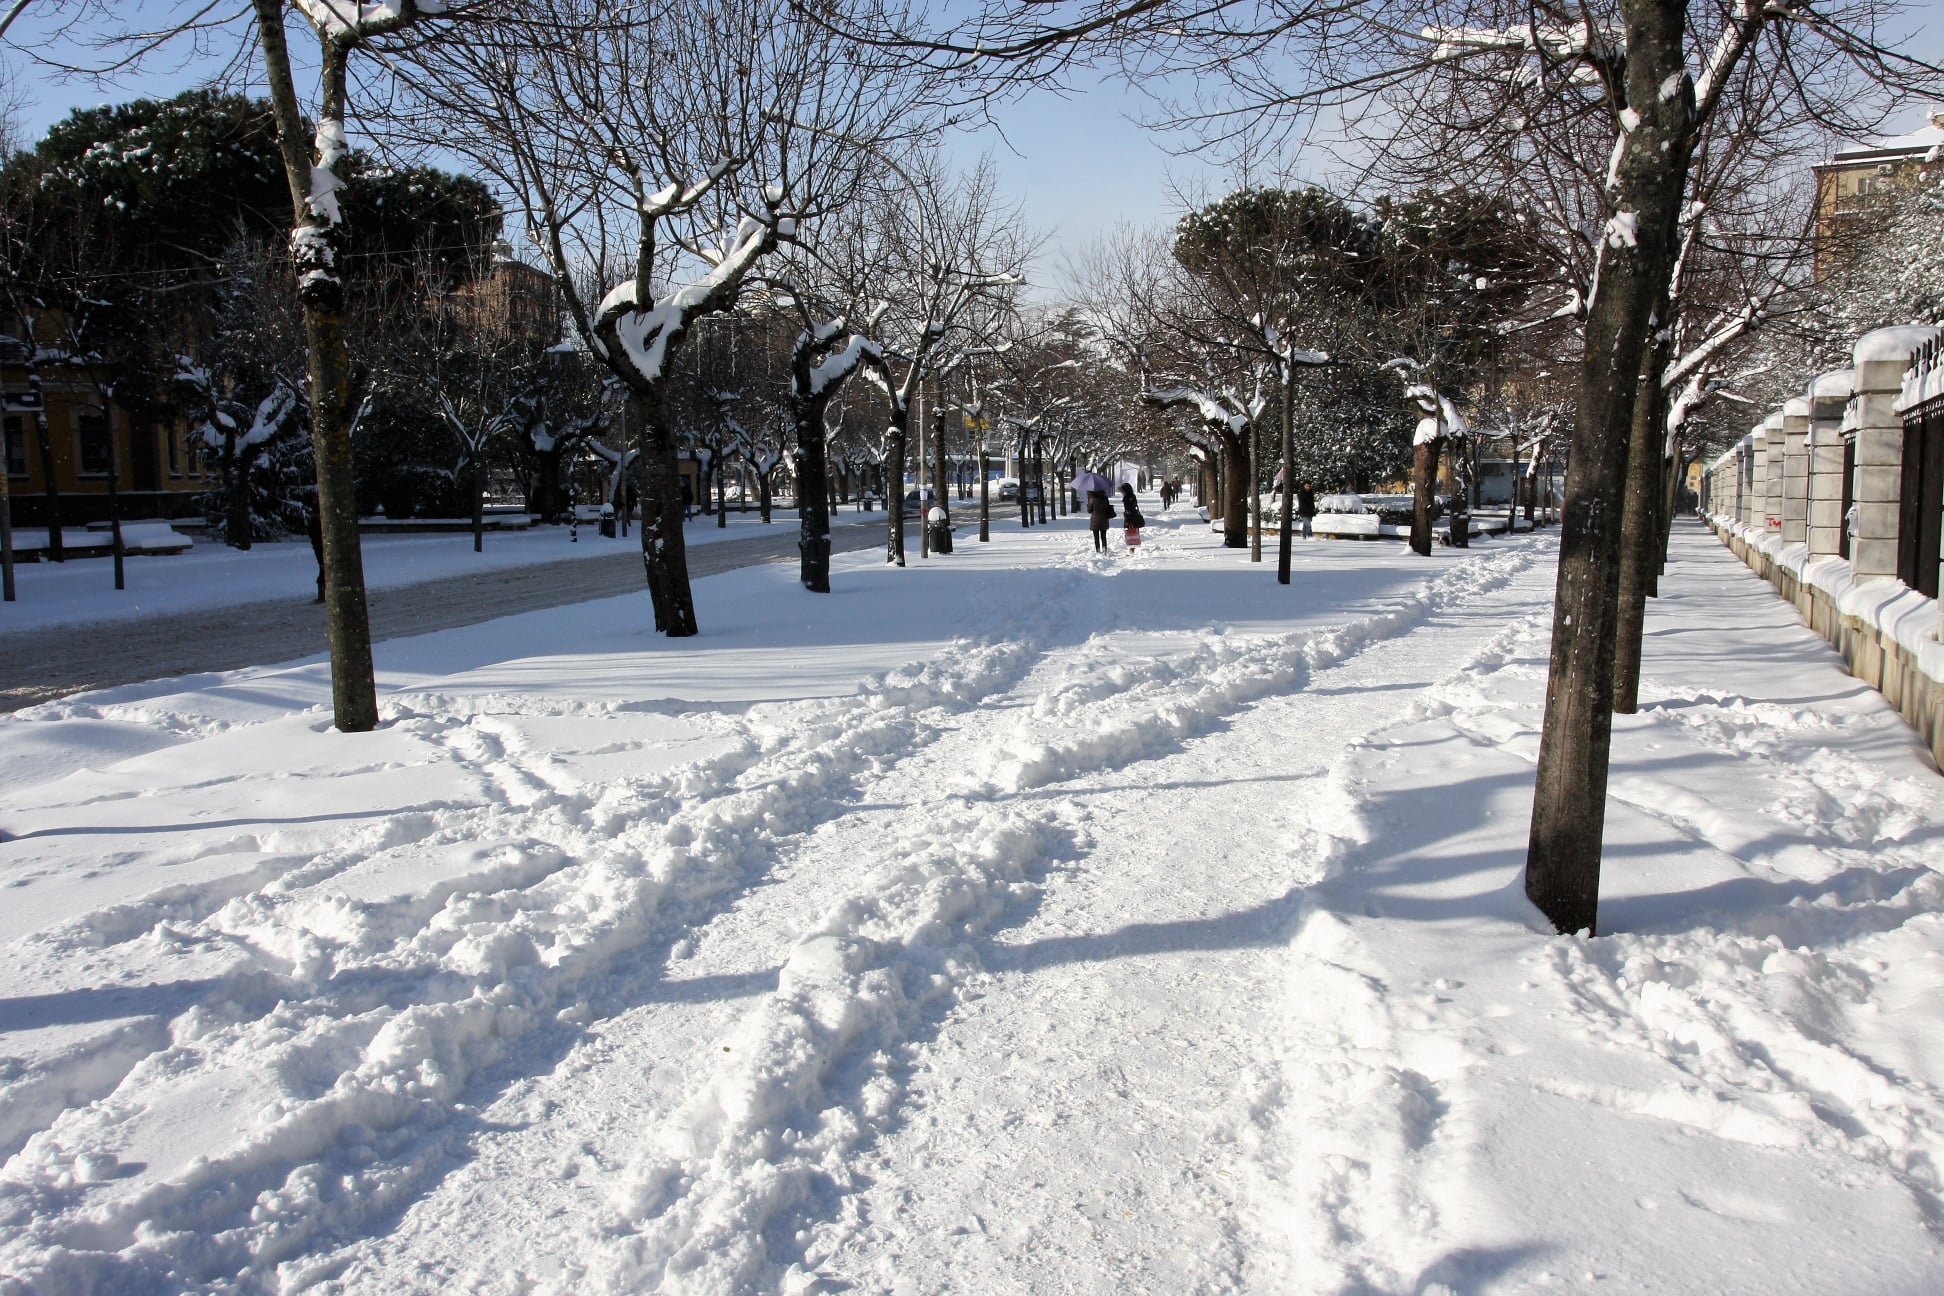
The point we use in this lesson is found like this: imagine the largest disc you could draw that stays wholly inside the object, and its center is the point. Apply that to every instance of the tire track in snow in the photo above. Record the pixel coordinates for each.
(1164, 939)
(389, 1009)
(744, 941)
(810, 1077)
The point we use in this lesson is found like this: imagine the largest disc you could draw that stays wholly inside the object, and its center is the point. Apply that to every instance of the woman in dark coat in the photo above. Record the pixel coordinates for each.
(1099, 514)
(1131, 518)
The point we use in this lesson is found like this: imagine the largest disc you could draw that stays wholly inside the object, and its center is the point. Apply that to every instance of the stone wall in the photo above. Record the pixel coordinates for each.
(1811, 499)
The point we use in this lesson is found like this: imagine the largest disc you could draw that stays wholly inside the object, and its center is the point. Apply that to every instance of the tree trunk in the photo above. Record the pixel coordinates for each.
(1639, 527)
(478, 476)
(664, 551)
(894, 455)
(1569, 797)
(544, 495)
(354, 693)
(1025, 503)
(1235, 477)
(1674, 470)
(1424, 477)
(7, 593)
(812, 469)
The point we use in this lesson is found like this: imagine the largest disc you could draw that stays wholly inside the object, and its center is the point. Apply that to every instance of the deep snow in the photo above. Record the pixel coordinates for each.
(1022, 921)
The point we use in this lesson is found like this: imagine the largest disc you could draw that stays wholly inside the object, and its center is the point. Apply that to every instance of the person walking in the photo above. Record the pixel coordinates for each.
(1131, 519)
(1306, 506)
(314, 527)
(1099, 514)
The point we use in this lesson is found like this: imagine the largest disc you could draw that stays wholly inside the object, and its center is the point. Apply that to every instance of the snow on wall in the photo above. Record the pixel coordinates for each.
(1911, 620)
(1893, 343)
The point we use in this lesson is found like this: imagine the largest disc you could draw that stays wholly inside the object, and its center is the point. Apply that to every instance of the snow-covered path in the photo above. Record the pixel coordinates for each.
(1056, 924)
(1109, 1069)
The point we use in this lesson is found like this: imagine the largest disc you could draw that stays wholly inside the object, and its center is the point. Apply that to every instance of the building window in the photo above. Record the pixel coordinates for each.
(16, 446)
(174, 441)
(92, 450)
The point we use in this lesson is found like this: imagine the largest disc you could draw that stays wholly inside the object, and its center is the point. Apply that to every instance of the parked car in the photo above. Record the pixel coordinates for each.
(912, 505)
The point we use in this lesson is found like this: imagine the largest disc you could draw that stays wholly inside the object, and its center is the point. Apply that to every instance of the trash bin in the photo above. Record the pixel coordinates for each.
(940, 531)
(607, 520)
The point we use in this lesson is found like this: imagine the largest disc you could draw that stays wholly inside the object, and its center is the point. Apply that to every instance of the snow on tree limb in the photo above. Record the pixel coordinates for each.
(341, 20)
(330, 149)
(644, 332)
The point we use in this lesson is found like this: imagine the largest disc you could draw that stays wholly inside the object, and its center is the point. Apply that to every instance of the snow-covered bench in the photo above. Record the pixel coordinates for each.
(97, 539)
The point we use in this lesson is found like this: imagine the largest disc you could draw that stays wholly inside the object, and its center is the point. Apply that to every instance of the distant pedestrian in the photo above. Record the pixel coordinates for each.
(1306, 506)
(314, 525)
(1099, 514)
(688, 500)
(1131, 519)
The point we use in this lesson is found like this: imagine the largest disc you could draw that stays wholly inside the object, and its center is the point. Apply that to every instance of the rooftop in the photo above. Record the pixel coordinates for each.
(1927, 142)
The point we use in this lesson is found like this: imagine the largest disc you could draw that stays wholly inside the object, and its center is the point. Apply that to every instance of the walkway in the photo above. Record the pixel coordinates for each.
(39, 666)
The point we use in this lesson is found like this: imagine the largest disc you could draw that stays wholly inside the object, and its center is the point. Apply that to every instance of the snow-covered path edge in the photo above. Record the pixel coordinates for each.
(1458, 1090)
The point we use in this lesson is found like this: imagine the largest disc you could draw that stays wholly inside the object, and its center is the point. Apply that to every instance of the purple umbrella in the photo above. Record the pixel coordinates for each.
(1087, 483)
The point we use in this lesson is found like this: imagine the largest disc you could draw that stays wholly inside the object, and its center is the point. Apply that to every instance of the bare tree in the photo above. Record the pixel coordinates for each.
(672, 153)
(951, 257)
(317, 244)
(826, 285)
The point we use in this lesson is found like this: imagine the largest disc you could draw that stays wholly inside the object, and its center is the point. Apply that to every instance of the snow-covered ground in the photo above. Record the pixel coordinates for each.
(212, 575)
(1021, 921)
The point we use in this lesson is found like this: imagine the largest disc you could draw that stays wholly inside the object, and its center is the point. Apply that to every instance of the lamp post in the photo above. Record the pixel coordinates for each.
(1288, 477)
(985, 489)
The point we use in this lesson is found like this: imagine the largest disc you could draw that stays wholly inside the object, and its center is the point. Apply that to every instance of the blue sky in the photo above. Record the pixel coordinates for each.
(1078, 164)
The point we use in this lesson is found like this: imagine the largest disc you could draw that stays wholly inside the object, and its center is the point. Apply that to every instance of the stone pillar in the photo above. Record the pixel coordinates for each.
(1772, 463)
(1795, 472)
(1750, 478)
(1827, 397)
(1881, 358)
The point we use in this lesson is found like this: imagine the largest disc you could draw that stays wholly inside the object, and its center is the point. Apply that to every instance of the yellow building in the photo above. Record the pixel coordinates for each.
(1854, 177)
(90, 444)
